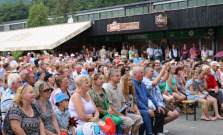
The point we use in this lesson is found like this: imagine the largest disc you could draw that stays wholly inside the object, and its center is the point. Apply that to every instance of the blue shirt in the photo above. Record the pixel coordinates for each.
(62, 118)
(137, 60)
(142, 95)
(6, 101)
(2, 71)
(154, 91)
(159, 53)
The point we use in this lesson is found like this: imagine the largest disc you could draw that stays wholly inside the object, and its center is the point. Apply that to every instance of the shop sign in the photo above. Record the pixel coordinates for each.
(137, 37)
(122, 26)
(161, 20)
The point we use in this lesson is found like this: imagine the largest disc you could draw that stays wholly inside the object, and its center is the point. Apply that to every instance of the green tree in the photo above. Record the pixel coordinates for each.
(38, 14)
(10, 11)
(63, 8)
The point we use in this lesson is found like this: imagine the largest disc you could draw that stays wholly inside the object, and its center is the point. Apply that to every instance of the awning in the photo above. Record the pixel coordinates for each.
(41, 38)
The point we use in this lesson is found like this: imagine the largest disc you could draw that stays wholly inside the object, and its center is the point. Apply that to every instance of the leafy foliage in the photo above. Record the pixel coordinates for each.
(16, 54)
(38, 15)
(62, 8)
(10, 11)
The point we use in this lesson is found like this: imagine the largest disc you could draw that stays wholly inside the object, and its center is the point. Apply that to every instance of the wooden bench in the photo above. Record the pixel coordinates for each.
(194, 104)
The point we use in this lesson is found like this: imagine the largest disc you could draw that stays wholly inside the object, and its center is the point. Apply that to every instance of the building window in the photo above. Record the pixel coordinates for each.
(86, 17)
(1, 28)
(192, 3)
(219, 1)
(103, 15)
(91, 17)
(182, 4)
(17, 26)
(201, 2)
(174, 5)
(81, 18)
(146, 9)
(158, 7)
(131, 11)
(115, 13)
(211, 2)
(166, 6)
(138, 10)
(96, 16)
(109, 14)
(121, 12)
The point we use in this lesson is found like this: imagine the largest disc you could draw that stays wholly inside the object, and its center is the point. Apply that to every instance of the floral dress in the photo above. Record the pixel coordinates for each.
(101, 101)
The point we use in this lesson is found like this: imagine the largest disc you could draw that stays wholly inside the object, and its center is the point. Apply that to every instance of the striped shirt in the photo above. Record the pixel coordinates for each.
(6, 101)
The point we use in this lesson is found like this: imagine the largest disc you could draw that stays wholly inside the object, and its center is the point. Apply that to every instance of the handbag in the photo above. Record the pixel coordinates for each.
(117, 119)
(151, 105)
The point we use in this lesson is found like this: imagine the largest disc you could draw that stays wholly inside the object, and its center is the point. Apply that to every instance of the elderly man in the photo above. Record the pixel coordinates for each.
(152, 85)
(105, 59)
(77, 71)
(214, 68)
(22, 73)
(14, 82)
(30, 79)
(151, 113)
(72, 86)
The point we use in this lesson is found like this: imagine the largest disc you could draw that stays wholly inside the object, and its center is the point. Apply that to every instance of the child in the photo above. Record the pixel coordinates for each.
(62, 114)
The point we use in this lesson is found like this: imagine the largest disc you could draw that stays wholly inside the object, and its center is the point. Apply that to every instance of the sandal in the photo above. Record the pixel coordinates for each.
(212, 118)
(205, 118)
(219, 117)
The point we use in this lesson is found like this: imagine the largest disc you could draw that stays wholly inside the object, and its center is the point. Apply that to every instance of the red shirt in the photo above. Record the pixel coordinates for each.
(211, 82)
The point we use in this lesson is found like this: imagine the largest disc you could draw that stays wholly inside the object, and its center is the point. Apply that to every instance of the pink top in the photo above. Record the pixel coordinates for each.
(194, 51)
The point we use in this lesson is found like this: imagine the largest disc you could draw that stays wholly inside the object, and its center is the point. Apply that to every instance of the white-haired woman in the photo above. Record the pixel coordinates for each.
(23, 117)
(43, 90)
(81, 106)
(212, 86)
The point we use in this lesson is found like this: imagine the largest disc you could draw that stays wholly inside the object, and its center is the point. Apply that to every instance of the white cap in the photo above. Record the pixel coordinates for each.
(28, 53)
(72, 54)
(116, 55)
(215, 63)
(171, 62)
(60, 55)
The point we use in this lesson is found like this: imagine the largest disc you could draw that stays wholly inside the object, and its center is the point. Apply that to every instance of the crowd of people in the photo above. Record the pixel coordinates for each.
(41, 92)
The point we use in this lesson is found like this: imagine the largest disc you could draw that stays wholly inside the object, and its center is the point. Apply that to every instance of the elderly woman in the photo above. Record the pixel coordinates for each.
(43, 90)
(23, 117)
(212, 86)
(81, 106)
(62, 86)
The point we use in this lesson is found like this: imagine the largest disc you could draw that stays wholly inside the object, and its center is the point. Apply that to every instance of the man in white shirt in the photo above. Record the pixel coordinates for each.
(174, 53)
(105, 59)
(214, 68)
(77, 71)
(150, 51)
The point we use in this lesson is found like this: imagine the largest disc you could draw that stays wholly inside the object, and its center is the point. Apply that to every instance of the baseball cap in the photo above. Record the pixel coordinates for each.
(215, 63)
(60, 55)
(61, 97)
(72, 54)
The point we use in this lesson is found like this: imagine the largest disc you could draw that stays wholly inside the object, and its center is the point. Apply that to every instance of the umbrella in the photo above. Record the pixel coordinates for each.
(219, 54)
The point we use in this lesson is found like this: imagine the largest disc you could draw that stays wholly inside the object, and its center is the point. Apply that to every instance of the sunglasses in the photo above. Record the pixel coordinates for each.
(127, 70)
(48, 90)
